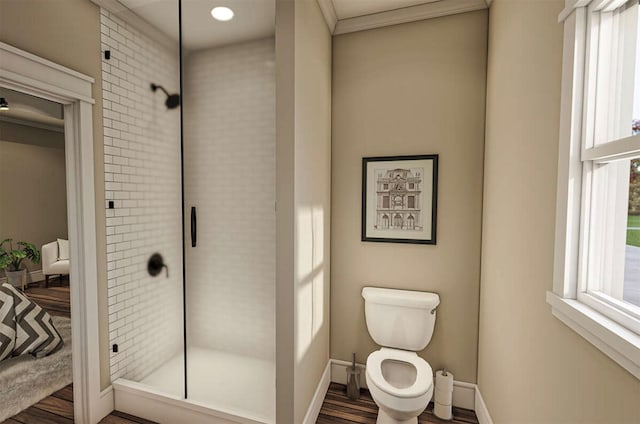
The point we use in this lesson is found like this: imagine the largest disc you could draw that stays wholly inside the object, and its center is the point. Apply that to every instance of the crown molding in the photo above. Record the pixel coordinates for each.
(329, 13)
(399, 16)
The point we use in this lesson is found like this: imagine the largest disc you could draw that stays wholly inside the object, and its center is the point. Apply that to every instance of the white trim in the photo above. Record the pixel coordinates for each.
(617, 342)
(124, 13)
(407, 14)
(568, 193)
(150, 403)
(27, 73)
(625, 148)
(329, 13)
(482, 412)
(463, 392)
(318, 397)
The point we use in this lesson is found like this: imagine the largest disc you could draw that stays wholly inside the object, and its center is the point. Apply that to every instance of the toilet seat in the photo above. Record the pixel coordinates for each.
(424, 373)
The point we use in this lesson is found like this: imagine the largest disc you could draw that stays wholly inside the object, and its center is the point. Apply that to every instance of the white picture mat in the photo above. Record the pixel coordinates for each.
(426, 199)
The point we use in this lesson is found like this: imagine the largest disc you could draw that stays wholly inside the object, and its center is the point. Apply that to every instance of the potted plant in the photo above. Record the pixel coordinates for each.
(11, 260)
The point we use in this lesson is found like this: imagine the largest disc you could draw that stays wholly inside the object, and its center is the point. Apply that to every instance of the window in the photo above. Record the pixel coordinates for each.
(385, 202)
(597, 255)
(411, 202)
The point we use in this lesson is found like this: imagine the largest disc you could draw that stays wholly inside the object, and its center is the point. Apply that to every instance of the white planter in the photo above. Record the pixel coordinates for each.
(16, 278)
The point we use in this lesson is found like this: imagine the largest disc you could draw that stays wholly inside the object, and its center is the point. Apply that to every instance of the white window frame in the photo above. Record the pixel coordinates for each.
(599, 319)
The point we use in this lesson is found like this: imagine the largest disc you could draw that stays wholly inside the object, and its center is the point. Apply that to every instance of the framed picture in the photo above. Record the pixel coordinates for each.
(399, 199)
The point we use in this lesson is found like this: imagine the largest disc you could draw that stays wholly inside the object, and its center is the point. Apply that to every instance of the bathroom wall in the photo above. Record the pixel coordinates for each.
(33, 191)
(142, 178)
(230, 177)
(415, 88)
(67, 32)
(303, 152)
(532, 368)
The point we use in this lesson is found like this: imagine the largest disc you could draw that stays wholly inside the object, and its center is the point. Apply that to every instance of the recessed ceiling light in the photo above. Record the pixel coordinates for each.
(4, 105)
(222, 13)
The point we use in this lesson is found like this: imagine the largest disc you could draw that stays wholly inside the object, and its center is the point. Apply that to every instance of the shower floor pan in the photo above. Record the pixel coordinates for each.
(223, 388)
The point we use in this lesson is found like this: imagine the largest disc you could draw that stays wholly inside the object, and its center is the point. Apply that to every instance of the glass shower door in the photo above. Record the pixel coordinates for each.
(142, 199)
(229, 184)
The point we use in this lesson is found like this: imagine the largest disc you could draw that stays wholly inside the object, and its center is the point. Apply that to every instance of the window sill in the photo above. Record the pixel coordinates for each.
(620, 344)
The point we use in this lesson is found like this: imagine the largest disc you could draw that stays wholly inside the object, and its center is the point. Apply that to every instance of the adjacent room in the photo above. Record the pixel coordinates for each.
(34, 253)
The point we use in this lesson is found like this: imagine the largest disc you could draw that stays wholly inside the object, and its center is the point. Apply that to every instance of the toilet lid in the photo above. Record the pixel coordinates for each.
(424, 373)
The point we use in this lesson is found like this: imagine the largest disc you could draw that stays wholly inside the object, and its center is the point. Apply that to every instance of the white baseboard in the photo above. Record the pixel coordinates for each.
(464, 394)
(318, 397)
(481, 409)
(105, 405)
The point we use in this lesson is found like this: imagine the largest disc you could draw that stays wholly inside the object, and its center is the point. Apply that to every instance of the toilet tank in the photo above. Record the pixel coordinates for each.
(400, 319)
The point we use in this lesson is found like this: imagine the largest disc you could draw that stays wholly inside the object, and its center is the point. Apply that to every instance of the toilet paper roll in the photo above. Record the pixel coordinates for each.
(442, 411)
(444, 382)
(443, 397)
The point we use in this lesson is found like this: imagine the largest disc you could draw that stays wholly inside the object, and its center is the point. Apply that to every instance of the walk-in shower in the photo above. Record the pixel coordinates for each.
(191, 322)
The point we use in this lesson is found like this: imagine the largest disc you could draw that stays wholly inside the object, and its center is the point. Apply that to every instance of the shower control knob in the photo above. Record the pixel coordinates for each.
(156, 264)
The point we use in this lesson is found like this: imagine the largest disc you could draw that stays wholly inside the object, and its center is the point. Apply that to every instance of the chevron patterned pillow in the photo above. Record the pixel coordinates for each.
(35, 333)
(7, 323)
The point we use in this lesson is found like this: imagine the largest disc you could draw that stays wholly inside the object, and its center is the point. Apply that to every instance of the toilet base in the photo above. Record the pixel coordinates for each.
(384, 418)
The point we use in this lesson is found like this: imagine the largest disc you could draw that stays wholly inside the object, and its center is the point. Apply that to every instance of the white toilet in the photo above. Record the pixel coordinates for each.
(400, 382)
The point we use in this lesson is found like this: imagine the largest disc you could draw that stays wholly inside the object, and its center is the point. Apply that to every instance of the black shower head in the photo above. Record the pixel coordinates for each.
(173, 100)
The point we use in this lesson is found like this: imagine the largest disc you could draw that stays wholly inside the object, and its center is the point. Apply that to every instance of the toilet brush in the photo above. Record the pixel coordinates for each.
(353, 380)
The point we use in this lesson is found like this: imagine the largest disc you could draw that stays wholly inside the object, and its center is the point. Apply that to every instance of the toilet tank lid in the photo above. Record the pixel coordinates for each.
(407, 298)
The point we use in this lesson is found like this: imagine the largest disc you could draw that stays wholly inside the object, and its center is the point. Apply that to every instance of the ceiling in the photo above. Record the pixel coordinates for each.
(253, 19)
(351, 8)
(28, 110)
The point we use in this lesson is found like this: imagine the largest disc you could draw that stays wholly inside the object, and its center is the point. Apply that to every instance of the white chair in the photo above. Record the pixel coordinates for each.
(52, 263)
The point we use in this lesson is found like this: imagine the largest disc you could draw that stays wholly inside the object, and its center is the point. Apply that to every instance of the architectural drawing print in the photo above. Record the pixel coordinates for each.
(398, 199)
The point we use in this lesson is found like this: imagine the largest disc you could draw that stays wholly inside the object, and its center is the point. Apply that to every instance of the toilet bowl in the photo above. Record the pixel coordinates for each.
(400, 383)
(402, 323)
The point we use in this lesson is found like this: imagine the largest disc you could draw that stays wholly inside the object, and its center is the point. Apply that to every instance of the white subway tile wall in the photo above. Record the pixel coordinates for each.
(230, 178)
(142, 178)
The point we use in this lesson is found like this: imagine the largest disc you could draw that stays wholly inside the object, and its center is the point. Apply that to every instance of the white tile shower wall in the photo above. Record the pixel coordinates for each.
(142, 177)
(230, 178)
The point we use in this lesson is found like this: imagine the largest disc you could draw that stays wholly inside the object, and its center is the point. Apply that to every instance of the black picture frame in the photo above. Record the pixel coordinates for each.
(400, 199)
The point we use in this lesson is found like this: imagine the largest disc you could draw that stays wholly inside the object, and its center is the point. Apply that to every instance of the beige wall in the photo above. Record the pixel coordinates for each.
(68, 33)
(33, 195)
(312, 200)
(303, 183)
(417, 88)
(532, 368)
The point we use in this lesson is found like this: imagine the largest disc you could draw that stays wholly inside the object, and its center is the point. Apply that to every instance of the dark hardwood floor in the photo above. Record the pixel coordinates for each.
(58, 408)
(54, 299)
(339, 409)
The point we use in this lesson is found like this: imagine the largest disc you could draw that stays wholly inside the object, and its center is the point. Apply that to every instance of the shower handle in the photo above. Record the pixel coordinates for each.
(194, 230)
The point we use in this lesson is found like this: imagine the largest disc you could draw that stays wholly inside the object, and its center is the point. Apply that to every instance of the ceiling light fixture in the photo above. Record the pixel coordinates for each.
(222, 13)
(3, 104)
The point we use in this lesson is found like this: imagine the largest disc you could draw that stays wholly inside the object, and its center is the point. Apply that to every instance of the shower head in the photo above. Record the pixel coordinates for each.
(173, 100)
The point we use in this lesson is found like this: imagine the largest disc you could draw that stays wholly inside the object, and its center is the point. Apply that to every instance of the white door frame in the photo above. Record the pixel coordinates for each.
(30, 74)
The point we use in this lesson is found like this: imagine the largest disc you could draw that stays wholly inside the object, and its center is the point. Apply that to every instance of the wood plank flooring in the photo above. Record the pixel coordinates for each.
(54, 299)
(337, 408)
(58, 408)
